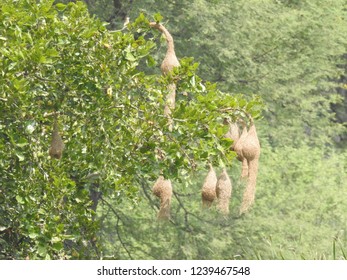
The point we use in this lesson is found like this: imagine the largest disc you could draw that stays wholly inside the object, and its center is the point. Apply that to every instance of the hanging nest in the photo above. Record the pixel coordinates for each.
(170, 61)
(238, 148)
(163, 189)
(223, 191)
(233, 134)
(251, 152)
(208, 191)
(57, 144)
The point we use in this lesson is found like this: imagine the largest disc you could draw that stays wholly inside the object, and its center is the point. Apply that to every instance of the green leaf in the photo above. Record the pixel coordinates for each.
(33, 235)
(55, 239)
(42, 250)
(158, 17)
(22, 142)
(60, 7)
(151, 61)
(19, 84)
(129, 56)
(19, 199)
(20, 156)
(52, 53)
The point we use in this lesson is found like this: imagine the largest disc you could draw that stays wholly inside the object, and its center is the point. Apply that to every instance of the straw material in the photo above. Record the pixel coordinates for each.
(208, 191)
(163, 189)
(223, 191)
(251, 151)
(57, 144)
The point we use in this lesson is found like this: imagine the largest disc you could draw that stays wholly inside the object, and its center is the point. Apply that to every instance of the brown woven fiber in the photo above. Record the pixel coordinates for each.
(250, 151)
(223, 191)
(238, 148)
(208, 191)
(170, 61)
(233, 134)
(57, 144)
(163, 189)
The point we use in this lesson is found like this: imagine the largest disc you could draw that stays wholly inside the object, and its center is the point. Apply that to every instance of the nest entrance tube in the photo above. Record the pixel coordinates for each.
(238, 148)
(223, 191)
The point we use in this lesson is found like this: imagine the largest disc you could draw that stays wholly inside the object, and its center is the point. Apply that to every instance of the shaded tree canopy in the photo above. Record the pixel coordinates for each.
(60, 64)
(79, 68)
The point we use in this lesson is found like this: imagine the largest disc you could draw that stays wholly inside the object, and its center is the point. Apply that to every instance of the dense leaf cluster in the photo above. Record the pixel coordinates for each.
(292, 54)
(58, 61)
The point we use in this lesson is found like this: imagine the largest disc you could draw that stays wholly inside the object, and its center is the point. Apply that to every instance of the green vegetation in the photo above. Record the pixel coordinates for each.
(298, 214)
(279, 61)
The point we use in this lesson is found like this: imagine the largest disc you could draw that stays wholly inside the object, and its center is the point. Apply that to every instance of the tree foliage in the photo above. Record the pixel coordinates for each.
(58, 61)
(103, 84)
(290, 53)
(285, 51)
(297, 215)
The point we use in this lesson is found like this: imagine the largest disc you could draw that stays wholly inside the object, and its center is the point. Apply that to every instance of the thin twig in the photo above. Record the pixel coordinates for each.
(237, 109)
(117, 226)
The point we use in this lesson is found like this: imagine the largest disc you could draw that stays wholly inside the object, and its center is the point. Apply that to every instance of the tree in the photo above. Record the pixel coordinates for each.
(288, 52)
(59, 63)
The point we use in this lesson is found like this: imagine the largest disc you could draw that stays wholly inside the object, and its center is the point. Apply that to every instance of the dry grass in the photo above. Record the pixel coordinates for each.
(223, 191)
(208, 191)
(57, 144)
(163, 189)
